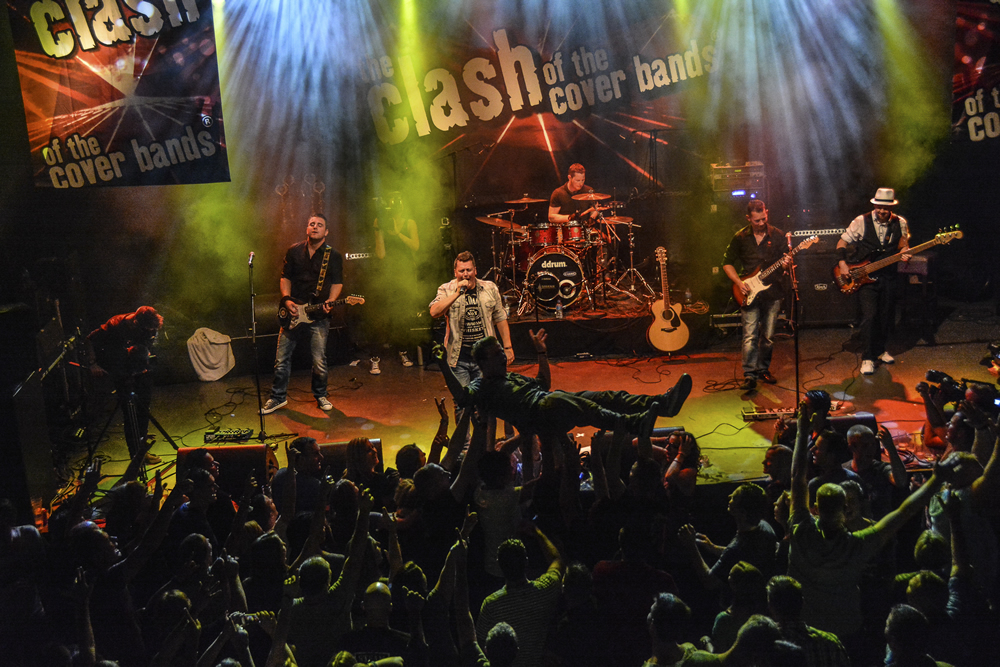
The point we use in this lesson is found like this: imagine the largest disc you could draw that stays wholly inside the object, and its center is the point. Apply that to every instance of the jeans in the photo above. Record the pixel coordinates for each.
(465, 372)
(316, 333)
(759, 321)
(561, 411)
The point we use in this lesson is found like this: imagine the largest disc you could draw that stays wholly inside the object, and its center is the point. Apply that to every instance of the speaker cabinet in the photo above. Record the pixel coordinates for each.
(820, 300)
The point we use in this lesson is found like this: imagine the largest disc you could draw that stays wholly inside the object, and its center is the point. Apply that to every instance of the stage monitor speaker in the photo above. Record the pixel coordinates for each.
(821, 301)
(235, 463)
(842, 424)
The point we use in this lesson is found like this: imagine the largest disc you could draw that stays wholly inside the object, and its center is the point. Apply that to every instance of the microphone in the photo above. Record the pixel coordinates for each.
(251, 258)
(788, 237)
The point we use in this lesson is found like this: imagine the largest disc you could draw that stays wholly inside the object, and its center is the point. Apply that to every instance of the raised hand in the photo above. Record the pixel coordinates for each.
(538, 340)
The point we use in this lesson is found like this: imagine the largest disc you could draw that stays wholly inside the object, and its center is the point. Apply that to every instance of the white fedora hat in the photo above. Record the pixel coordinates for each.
(884, 197)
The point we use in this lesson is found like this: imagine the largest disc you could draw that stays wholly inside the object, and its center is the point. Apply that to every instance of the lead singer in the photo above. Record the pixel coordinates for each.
(475, 310)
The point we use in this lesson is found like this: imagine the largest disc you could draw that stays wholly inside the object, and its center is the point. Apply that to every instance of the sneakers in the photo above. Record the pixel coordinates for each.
(272, 405)
(886, 358)
(765, 376)
(324, 404)
(375, 369)
(670, 402)
(749, 383)
(405, 359)
(867, 367)
(151, 459)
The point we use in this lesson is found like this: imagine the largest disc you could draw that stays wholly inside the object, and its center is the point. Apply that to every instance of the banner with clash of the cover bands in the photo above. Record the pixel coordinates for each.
(124, 93)
(976, 82)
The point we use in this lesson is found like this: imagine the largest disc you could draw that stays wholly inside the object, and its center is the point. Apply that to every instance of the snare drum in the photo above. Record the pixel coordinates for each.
(555, 274)
(543, 235)
(572, 233)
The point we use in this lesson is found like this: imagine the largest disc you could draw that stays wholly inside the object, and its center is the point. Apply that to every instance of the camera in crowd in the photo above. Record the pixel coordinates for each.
(952, 390)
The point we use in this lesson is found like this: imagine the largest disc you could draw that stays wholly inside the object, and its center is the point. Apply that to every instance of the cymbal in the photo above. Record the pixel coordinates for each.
(500, 222)
(590, 196)
(619, 220)
(524, 200)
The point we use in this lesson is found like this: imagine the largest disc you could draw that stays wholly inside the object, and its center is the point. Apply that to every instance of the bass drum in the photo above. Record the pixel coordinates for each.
(555, 274)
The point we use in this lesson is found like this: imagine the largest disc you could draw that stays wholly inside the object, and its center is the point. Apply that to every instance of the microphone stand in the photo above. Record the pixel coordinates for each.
(795, 319)
(262, 436)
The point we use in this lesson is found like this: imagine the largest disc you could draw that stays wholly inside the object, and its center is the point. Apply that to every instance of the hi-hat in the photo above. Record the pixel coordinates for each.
(524, 200)
(619, 220)
(590, 196)
(500, 222)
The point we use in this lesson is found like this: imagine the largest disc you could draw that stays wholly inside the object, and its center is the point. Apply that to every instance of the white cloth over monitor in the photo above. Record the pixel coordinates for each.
(211, 354)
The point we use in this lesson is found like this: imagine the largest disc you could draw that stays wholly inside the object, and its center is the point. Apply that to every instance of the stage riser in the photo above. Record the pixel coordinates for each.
(603, 337)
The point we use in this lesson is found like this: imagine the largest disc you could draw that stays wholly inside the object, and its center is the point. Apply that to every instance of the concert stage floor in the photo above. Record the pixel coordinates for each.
(397, 405)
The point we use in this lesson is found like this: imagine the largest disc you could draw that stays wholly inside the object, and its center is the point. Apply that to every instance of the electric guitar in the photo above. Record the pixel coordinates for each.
(755, 279)
(667, 333)
(311, 312)
(860, 274)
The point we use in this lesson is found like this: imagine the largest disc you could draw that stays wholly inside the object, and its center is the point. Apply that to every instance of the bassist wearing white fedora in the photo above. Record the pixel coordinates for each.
(875, 235)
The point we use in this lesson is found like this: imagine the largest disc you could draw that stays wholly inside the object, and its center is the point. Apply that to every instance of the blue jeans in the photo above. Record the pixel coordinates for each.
(316, 333)
(465, 372)
(759, 321)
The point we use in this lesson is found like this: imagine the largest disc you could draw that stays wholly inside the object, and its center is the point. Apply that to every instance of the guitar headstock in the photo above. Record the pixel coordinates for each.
(808, 242)
(661, 254)
(947, 236)
(354, 300)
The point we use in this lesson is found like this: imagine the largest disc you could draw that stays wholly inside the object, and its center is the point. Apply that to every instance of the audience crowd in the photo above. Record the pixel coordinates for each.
(529, 550)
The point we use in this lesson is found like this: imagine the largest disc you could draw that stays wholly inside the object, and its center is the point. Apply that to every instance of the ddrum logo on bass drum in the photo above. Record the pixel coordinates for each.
(554, 275)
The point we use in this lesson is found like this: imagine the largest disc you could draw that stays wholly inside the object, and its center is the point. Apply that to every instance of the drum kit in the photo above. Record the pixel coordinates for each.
(551, 266)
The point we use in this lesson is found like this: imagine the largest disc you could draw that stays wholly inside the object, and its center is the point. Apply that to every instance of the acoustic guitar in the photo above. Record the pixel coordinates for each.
(667, 333)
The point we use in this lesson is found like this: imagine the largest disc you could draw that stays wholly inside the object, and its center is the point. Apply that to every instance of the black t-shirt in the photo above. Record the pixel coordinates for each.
(563, 198)
(747, 256)
(303, 271)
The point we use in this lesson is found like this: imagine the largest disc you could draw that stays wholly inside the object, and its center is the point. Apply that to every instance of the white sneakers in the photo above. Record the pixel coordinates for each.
(324, 404)
(272, 405)
(886, 358)
(375, 369)
(867, 367)
(405, 359)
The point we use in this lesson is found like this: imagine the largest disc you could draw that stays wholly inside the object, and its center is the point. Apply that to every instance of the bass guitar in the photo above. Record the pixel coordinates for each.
(860, 274)
(307, 313)
(667, 333)
(755, 280)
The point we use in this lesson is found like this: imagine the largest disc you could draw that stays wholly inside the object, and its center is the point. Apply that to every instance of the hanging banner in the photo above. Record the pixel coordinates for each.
(124, 93)
(976, 83)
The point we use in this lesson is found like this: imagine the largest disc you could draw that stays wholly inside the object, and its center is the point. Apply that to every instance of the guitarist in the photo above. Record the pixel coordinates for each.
(871, 237)
(312, 273)
(756, 246)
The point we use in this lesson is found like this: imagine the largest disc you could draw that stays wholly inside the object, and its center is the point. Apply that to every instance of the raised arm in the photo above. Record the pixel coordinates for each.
(800, 463)
(441, 437)
(544, 374)
(463, 397)
(900, 477)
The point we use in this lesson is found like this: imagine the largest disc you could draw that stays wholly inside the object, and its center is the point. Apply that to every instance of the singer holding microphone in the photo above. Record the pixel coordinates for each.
(475, 310)
(754, 247)
(312, 274)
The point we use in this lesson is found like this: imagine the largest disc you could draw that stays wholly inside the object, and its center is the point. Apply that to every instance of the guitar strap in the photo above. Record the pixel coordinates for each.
(322, 270)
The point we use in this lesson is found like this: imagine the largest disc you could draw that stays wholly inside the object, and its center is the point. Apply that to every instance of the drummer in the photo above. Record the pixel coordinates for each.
(563, 208)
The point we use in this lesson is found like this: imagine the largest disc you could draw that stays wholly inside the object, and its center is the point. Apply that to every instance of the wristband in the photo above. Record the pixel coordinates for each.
(842, 252)
(508, 348)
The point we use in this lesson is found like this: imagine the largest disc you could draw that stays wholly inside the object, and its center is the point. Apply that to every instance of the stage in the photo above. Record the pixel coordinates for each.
(397, 405)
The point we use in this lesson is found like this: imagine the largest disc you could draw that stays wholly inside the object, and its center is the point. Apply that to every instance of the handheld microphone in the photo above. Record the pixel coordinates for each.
(251, 258)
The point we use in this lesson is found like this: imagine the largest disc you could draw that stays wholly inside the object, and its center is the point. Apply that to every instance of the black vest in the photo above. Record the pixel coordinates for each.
(869, 248)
